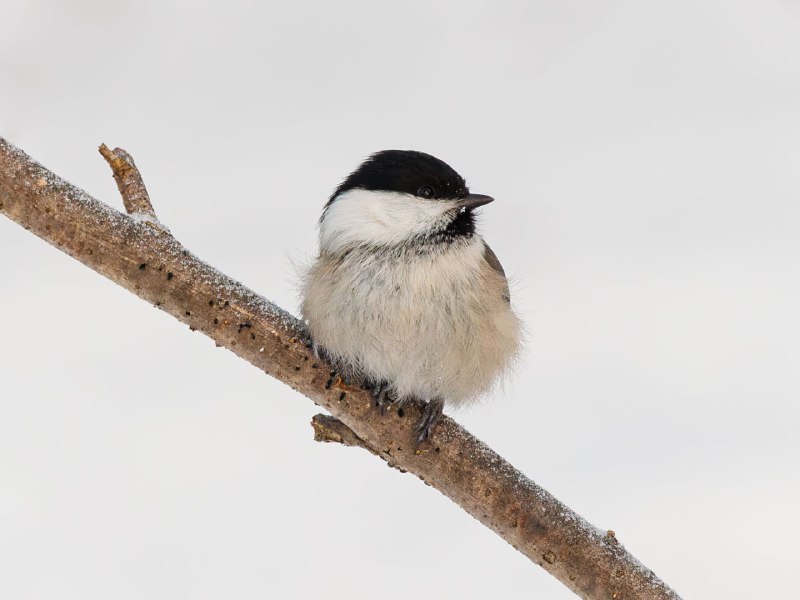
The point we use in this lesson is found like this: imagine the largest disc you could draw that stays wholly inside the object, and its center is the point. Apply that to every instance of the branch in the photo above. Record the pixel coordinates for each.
(152, 264)
(331, 429)
(130, 183)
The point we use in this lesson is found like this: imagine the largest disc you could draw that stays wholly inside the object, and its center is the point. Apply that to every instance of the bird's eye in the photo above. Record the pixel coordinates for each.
(425, 191)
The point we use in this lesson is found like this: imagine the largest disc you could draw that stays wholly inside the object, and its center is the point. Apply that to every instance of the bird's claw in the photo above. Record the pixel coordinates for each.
(431, 415)
(381, 395)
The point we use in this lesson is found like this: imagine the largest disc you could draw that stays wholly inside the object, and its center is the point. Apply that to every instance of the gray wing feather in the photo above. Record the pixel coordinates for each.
(491, 258)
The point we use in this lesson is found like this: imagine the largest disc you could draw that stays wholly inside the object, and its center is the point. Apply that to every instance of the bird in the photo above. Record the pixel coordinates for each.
(403, 293)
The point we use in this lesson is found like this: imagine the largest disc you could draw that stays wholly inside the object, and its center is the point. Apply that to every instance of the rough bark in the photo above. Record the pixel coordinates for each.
(151, 263)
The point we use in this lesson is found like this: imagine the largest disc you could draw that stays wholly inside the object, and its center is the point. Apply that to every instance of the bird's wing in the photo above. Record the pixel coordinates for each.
(491, 259)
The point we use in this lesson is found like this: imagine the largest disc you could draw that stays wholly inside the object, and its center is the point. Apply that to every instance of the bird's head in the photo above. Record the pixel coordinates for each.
(398, 197)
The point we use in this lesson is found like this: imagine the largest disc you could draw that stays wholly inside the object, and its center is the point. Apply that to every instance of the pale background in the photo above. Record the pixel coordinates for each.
(644, 157)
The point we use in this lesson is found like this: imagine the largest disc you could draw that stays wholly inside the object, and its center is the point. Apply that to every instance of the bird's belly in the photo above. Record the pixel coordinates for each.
(430, 329)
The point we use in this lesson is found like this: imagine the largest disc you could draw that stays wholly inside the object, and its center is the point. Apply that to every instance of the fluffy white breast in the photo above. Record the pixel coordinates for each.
(365, 216)
(432, 325)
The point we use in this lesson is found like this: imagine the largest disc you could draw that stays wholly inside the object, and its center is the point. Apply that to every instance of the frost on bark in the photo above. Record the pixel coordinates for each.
(140, 254)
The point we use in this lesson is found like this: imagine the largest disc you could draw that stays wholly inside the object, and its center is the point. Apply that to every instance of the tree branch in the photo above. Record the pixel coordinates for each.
(152, 264)
(130, 183)
(331, 429)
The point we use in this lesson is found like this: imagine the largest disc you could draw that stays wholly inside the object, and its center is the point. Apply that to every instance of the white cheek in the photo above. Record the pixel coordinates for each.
(366, 216)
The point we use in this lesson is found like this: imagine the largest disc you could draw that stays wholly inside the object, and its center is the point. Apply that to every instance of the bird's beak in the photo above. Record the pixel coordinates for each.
(474, 201)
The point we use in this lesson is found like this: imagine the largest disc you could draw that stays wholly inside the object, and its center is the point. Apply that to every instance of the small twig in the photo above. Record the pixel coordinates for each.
(130, 183)
(331, 429)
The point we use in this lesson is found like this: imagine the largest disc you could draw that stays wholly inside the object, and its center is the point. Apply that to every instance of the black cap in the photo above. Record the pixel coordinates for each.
(406, 171)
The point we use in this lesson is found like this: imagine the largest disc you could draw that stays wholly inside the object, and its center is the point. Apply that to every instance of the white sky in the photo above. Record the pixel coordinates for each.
(645, 160)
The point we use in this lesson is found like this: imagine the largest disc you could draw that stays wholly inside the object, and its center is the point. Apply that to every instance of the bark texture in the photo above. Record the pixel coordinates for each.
(152, 264)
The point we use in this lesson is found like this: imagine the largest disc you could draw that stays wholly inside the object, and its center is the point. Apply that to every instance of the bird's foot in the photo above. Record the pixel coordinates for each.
(340, 369)
(431, 415)
(381, 395)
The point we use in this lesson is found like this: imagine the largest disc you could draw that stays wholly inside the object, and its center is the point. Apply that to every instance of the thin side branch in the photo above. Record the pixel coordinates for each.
(130, 183)
(152, 264)
(331, 429)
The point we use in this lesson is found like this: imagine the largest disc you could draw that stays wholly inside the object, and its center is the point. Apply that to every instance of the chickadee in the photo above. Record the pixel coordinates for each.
(404, 293)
